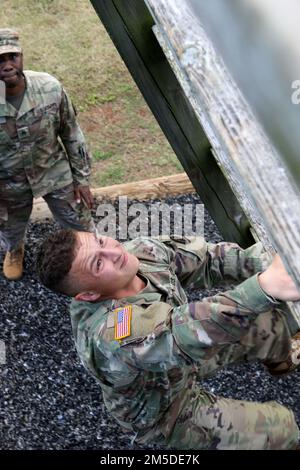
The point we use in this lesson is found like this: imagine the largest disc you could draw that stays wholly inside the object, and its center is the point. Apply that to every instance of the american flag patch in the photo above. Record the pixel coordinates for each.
(122, 322)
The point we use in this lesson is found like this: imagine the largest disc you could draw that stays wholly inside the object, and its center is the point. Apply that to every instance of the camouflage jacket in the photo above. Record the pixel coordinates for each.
(145, 376)
(31, 155)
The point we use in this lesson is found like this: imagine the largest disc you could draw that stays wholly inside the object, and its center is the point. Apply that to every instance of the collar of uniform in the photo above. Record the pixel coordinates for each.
(29, 101)
(139, 299)
(146, 296)
(6, 109)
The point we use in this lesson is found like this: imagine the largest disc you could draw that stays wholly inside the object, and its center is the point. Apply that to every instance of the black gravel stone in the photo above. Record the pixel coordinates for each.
(49, 401)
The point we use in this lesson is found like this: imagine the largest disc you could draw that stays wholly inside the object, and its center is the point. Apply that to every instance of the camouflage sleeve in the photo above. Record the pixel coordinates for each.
(74, 142)
(200, 264)
(202, 329)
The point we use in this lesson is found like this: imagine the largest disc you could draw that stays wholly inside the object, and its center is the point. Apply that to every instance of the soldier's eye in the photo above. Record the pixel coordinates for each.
(99, 240)
(98, 265)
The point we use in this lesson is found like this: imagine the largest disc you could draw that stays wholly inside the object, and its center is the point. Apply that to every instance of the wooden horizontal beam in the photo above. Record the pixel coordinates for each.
(142, 190)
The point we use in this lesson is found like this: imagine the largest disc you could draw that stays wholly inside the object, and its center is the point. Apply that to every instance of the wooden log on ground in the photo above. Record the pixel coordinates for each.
(146, 189)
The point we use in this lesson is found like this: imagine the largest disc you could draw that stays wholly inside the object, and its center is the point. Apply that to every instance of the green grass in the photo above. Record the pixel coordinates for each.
(110, 176)
(98, 155)
(66, 39)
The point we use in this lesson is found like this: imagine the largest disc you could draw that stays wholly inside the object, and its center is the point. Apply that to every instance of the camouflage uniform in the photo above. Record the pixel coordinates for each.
(34, 163)
(149, 379)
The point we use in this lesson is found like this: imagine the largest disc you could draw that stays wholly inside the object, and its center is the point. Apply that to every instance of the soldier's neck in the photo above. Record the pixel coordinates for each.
(18, 89)
(136, 285)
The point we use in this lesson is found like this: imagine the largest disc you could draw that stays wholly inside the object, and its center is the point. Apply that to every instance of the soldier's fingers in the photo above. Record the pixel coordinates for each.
(77, 195)
(86, 194)
(89, 198)
(92, 200)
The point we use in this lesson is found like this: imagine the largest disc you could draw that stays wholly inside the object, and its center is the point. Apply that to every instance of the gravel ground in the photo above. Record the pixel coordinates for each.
(48, 401)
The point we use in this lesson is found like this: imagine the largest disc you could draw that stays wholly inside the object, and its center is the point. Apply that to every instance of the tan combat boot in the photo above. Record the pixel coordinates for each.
(291, 363)
(13, 264)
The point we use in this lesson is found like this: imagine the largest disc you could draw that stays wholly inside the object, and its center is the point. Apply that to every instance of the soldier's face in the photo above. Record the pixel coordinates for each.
(11, 69)
(102, 265)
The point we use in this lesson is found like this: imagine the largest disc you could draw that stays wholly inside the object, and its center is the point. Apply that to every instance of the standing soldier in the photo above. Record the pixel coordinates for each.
(42, 153)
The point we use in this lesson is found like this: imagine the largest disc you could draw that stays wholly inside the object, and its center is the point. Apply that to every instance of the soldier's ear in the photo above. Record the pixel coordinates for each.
(88, 296)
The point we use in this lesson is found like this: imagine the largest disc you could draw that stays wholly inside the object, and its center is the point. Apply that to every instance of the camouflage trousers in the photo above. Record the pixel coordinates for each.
(207, 421)
(16, 207)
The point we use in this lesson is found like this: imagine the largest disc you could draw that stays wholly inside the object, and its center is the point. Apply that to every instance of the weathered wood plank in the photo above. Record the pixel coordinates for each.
(239, 142)
(129, 25)
(260, 43)
(225, 161)
(142, 190)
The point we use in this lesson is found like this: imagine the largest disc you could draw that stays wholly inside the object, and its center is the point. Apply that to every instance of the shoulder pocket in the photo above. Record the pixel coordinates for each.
(144, 321)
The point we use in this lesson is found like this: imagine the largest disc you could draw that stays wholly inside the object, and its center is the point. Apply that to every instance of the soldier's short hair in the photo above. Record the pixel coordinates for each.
(54, 260)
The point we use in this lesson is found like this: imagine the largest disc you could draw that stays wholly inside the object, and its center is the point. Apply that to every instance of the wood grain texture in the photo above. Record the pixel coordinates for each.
(245, 154)
(260, 43)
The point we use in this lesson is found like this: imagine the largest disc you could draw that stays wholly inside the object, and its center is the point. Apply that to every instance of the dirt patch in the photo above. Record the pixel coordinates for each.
(126, 143)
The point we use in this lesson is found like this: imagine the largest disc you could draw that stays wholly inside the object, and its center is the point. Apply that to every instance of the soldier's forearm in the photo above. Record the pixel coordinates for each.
(230, 262)
(80, 161)
(214, 263)
(205, 327)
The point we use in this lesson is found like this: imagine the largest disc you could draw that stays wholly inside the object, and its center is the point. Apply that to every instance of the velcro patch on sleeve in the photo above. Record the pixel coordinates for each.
(122, 322)
(142, 322)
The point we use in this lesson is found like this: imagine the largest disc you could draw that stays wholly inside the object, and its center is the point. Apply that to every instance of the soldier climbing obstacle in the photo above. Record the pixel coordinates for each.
(147, 346)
